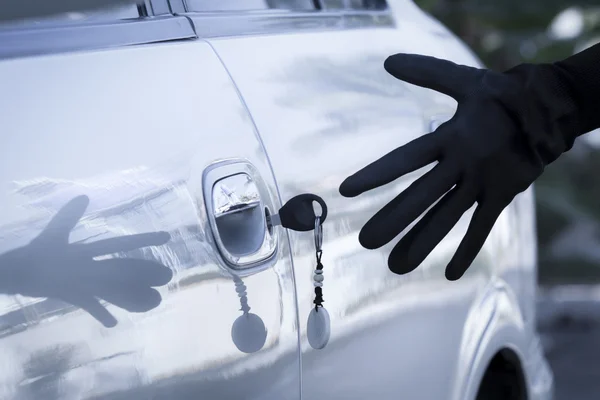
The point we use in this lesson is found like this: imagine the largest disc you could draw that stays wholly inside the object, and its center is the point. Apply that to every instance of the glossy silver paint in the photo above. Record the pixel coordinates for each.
(325, 107)
(304, 99)
(90, 123)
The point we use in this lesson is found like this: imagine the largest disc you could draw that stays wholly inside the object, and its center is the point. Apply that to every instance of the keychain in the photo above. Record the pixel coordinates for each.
(319, 325)
(298, 214)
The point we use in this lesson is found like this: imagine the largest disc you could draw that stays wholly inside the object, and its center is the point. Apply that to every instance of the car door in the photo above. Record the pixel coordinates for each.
(315, 85)
(135, 261)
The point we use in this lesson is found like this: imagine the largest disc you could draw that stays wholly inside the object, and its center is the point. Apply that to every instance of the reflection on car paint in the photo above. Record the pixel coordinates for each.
(142, 176)
(84, 272)
(248, 331)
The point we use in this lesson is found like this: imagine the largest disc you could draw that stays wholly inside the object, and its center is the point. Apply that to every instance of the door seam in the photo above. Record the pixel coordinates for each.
(287, 235)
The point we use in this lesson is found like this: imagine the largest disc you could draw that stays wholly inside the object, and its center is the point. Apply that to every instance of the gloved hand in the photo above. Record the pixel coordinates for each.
(507, 128)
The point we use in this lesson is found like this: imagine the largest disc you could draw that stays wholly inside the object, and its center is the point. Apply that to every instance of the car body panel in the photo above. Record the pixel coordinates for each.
(325, 107)
(305, 99)
(134, 129)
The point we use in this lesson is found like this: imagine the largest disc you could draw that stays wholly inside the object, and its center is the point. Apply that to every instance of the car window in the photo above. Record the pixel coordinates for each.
(292, 4)
(247, 5)
(46, 18)
(354, 4)
(368, 4)
(333, 4)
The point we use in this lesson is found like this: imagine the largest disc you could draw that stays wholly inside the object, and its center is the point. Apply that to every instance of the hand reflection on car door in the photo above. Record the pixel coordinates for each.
(49, 266)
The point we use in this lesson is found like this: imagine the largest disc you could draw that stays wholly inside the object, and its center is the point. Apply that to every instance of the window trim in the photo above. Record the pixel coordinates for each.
(313, 5)
(211, 25)
(65, 38)
(178, 24)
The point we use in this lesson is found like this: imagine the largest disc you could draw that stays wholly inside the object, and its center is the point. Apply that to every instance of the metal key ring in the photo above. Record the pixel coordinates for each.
(318, 233)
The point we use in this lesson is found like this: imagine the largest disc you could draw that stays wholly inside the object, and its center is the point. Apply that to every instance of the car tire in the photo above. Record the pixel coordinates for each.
(502, 381)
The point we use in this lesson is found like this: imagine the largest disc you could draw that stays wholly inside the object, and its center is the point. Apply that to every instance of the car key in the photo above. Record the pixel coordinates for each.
(298, 213)
(318, 329)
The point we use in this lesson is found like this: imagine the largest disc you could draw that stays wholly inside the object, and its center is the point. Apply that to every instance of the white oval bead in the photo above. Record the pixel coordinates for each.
(318, 328)
(318, 284)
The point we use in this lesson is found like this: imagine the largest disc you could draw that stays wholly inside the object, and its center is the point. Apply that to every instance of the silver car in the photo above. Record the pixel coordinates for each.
(146, 152)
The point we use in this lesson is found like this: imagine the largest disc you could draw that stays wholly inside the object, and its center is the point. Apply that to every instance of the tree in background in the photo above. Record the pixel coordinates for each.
(505, 33)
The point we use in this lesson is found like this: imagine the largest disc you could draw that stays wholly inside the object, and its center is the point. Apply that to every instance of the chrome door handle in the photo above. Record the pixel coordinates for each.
(237, 202)
(232, 202)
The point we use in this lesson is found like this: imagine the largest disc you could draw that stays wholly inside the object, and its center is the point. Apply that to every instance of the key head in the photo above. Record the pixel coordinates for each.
(298, 213)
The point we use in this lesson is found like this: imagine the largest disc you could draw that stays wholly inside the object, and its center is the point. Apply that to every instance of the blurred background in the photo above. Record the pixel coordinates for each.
(504, 33)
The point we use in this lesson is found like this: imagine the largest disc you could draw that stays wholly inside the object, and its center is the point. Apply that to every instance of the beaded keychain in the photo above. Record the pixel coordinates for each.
(318, 277)
(318, 327)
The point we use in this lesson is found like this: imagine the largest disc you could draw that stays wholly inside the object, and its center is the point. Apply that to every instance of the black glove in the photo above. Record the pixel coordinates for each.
(507, 128)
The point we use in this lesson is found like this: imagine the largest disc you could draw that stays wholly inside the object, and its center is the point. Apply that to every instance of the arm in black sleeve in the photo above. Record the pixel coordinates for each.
(580, 75)
(507, 128)
(558, 101)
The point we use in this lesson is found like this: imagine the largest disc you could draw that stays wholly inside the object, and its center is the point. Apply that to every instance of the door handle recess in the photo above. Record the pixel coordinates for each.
(237, 202)
(242, 206)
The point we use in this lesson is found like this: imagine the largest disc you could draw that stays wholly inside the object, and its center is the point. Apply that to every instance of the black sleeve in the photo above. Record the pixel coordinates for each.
(556, 102)
(580, 74)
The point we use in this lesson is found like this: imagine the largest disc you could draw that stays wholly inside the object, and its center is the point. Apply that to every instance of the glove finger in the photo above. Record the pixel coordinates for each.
(124, 243)
(395, 216)
(483, 221)
(60, 226)
(433, 73)
(420, 241)
(403, 160)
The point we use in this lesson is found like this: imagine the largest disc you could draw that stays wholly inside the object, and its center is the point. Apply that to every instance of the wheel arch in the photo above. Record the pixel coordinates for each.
(494, 330)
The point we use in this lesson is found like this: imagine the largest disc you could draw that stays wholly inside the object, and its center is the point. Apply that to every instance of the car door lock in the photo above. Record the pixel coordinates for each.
(238, 203)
